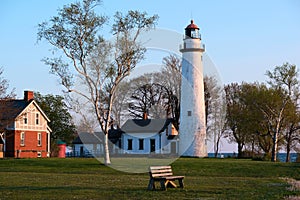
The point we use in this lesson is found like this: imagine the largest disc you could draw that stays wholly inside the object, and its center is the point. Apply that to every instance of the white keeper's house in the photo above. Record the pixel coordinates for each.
(149, 136)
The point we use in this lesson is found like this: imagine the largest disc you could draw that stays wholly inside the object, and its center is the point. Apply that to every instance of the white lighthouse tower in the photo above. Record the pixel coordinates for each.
(192, 128)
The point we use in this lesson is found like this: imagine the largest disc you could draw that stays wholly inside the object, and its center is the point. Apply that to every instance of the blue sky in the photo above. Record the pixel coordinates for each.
(242, 38)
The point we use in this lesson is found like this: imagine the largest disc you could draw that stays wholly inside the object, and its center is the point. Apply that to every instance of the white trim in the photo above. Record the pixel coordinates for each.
(37, 106)
(49, 130)
(48, 135)
(28, 129)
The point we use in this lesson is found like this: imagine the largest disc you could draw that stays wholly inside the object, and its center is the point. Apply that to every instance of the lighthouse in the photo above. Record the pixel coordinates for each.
(192, 128)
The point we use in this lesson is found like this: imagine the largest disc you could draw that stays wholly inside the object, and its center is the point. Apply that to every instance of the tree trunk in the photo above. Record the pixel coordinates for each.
(3, 138)
(288, 139)
(252, 149)
(106, 150)
(288, 149)
(274, 148)
(240, 150)
(216, 151)
(217, 146)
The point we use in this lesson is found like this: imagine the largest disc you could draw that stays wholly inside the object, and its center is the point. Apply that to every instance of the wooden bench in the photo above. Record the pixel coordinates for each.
(164, 175)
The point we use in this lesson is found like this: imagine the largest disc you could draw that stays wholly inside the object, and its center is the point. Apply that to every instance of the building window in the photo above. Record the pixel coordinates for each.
(129, 144)
(25, 118)
(141, 144)
(39, 139)
(152, 145)
(189, 113)
(22, 139)
(37, 116)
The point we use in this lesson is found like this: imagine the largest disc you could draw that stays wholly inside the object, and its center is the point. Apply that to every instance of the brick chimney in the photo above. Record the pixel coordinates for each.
(28, 95)
(145, 116)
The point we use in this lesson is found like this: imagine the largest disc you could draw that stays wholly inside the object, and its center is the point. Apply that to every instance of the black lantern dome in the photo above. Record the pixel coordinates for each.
(192, 31)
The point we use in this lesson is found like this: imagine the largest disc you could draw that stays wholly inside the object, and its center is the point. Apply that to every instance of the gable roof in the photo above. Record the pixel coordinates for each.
(88, 138)
(145, 126)
(97, 137)
(11, 109)
(38, 107)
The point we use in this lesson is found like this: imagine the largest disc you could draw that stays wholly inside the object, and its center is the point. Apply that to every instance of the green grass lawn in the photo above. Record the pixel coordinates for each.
(76, 178)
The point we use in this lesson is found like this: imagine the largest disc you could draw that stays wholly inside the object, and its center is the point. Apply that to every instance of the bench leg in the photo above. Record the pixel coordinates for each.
(170, 184)
(162, 184)
(180, 183)
(151, 185)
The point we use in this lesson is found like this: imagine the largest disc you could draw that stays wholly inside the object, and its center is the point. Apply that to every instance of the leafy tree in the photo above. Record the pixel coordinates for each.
(260, 102)
(283, 78)
(291, 129)
(60, 119)
(235, 115)
(100, 65)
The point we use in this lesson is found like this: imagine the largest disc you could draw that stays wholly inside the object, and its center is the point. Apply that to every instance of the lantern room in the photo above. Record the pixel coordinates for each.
(192, 31)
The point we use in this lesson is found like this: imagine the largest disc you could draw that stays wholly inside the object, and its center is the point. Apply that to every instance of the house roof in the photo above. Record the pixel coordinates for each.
(97, 137)
(88, 138)
(12, 108)
(145, 126)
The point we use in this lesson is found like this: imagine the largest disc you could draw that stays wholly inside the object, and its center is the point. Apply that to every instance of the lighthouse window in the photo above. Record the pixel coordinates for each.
(195, 33)
(189, 113)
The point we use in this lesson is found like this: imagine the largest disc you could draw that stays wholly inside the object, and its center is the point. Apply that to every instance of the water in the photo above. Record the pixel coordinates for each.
(281, 156)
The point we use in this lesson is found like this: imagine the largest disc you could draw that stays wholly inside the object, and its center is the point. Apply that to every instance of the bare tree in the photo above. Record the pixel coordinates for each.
(99, 64)
(120, 103)
(4, 87)
(149, 99)
(215, 111)
(6, 107)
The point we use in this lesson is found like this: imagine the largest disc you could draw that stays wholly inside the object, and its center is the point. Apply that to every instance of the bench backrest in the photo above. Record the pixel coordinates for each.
(160, 171)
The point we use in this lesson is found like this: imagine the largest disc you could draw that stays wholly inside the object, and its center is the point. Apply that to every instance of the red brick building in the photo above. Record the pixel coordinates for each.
(25, 133)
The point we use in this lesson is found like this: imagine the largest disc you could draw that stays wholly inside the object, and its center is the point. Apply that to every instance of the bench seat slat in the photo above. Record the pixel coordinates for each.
(174, 177)
(168, 178)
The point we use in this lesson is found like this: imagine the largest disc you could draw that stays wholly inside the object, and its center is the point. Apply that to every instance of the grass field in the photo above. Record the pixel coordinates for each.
(76, 178)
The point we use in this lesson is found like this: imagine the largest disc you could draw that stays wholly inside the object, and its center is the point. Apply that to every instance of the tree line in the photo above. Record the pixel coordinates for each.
(264, 117)
(259, 117)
